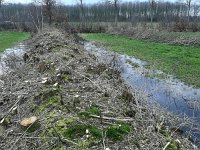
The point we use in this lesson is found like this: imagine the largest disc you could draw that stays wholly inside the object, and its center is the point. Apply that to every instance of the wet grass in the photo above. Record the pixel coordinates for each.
(181, 61)
(9, 39)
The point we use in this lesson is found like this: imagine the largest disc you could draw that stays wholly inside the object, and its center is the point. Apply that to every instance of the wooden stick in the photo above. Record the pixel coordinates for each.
(109, 118)
(166, 145)
(62, 139)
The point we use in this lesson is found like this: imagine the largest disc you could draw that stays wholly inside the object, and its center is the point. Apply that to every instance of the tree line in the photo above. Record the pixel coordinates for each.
(105, 11)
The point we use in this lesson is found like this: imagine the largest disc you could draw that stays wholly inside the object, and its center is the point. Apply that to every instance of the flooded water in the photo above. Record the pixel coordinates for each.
(170, 93)
(11, 58)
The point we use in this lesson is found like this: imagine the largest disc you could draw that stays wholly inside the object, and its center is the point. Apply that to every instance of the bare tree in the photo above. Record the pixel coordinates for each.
(1, 1)
(151, 5)
(196, 10)
(36, 13)
(116, 3)
(82, 14)
(151, 10)
(49, 6)
(188, 3)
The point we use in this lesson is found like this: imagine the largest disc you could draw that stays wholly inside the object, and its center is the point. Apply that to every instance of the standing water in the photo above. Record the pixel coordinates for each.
(11, 58)
(170, 93)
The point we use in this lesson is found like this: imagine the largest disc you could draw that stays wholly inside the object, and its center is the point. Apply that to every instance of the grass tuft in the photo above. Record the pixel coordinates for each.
(93, 110)
(116, 132)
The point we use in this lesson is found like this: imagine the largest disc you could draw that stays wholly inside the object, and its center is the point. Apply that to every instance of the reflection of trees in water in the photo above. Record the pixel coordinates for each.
(11, 60)
(192, 104)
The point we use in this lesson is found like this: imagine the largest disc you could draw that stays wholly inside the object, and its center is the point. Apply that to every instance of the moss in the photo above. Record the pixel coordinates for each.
(45, 94)
(52, 117)
(164, 132)
(65, 77)
(51, 102)
(93, 110)
(63, 122)
(78, 131)
(6, 121)
(173, 146)
(83, 145)
(116, 132)
(59, 148)
(48, 100)
(97, 133)
(59, 125)
(33, 127)
(70, 128)
(52, 114)
(84, 114)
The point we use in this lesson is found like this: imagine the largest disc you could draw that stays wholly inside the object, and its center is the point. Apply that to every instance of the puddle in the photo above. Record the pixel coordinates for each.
(11, 58)
(170, 93)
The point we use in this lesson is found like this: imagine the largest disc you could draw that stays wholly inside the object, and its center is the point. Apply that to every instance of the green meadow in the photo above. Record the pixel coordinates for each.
(181, 61)
(9, 39)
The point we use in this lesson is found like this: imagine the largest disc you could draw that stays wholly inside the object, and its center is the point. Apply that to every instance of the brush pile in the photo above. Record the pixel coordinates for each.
(77, 103)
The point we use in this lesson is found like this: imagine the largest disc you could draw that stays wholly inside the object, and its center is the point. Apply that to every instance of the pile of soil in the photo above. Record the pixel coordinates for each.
(77, 103)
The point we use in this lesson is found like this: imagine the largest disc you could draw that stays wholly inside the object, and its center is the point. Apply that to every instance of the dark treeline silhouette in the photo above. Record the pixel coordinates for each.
(134, 12)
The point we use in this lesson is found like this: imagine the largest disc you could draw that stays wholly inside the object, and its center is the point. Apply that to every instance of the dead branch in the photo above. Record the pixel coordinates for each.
(114, 119)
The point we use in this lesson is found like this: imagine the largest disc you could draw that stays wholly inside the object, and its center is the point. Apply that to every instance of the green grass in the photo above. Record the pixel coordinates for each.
(181, 61)
(9, 39)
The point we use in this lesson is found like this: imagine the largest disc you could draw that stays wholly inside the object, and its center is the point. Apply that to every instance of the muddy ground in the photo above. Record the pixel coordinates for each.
(79, 103)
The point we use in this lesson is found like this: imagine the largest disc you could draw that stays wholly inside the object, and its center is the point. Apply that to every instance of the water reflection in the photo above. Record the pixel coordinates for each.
(170, 93)
(11, 59)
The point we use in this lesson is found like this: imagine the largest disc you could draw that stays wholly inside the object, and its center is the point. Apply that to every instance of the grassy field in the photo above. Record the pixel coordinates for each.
(8, 39)
(181, 61)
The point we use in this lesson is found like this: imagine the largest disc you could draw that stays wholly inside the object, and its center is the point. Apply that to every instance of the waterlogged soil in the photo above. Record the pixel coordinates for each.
(79, 103)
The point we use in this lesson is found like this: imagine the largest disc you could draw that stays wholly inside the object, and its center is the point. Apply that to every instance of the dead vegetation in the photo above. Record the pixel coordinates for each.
(79, 103)
(157, 33)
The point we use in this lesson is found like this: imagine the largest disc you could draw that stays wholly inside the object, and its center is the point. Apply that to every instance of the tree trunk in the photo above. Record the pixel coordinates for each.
(82, 17)
(151, 11)
(116, 12)
(50, 19)
(1, 3)
(188, 12)
(151, 16)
